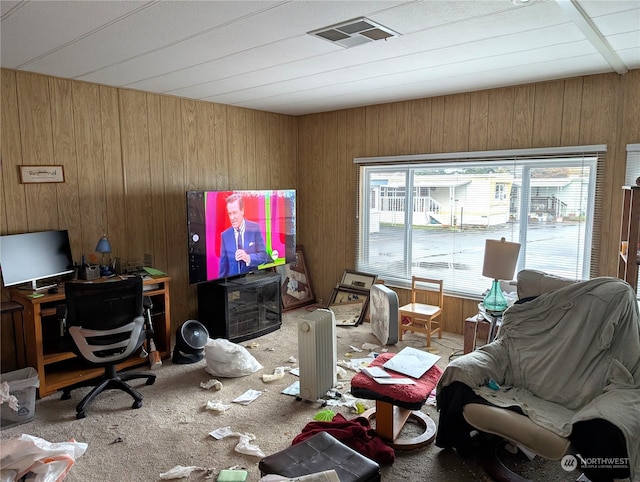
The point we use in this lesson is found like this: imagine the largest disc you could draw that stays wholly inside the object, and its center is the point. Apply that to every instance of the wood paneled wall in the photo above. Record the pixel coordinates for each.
(598, 109)
(129, 157)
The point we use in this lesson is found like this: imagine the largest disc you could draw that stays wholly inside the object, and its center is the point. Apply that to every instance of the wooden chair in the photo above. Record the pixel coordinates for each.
(427, 298)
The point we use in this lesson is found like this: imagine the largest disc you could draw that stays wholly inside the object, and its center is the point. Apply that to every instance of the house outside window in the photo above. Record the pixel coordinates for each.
(545, 202)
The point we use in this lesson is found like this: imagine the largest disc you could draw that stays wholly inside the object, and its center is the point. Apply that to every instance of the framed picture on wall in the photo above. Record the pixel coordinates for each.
(296, 287)
(41, 174)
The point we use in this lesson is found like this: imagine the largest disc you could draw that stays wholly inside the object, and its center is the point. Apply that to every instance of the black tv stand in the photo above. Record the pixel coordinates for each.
(241, 308)
(242, 279)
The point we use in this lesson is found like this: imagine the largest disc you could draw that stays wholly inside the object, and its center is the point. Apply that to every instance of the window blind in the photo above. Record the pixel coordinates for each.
(430, 214)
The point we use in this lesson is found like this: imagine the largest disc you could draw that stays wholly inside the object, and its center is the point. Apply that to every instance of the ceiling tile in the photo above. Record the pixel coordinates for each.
(258, 54)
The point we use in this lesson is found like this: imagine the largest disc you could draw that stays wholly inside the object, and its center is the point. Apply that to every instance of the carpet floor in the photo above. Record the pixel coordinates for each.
(173, 425)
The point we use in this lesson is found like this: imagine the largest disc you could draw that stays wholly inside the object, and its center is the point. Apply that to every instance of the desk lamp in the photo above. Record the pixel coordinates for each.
(104, 247)
(500, 259)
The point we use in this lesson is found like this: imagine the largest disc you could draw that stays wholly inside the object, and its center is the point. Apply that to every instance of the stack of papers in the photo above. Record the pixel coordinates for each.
(384, 378)
(395, 381)
(375, 372)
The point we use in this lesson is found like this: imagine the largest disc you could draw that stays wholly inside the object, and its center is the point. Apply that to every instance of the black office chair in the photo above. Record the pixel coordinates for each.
(106, 322)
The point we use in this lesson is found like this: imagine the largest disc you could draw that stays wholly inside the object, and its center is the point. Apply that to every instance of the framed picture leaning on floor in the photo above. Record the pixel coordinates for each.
(296, 287)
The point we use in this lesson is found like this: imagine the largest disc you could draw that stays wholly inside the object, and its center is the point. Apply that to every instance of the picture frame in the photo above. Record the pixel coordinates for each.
(343, 301)
(36, 174)
(358, 280)
(341, 295)
(296, 286)
(348, 314)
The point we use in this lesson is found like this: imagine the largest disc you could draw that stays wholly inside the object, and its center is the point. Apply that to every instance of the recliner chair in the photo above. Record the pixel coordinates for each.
(562, 378)
(106, 323)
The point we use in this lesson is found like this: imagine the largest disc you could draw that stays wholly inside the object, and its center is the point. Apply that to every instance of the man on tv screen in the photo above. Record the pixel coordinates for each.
(243, 247)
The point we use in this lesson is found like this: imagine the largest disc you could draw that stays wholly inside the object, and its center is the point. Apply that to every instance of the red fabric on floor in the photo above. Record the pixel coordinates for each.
(356, 434)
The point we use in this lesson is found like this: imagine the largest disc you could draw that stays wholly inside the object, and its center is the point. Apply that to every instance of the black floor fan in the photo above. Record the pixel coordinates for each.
(191, 338)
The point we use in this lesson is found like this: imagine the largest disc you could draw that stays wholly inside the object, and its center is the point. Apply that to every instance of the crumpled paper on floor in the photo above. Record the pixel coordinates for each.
(347, 400)
(213, 383)
(355, 364)
(370, 346)
(278, 373)
(217, 406)
(244, 446)
(180, 472)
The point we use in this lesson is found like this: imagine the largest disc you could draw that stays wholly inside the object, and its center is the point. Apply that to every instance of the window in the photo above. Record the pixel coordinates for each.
(544, 199)
(633, 165)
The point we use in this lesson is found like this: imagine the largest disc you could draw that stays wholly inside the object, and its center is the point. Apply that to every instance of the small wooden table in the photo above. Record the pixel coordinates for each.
(473, 327)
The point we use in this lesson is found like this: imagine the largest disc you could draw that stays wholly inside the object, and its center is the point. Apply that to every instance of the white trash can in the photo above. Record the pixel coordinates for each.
(22, 385)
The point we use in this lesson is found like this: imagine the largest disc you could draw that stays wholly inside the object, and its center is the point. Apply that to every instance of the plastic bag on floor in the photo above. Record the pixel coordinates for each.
(246, 447)
(48, 462)
(229, 360)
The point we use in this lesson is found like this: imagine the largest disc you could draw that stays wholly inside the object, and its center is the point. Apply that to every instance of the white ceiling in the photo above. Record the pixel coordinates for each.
(258, 54)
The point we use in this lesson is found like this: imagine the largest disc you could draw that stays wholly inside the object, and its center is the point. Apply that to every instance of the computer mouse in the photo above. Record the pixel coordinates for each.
(52, 290)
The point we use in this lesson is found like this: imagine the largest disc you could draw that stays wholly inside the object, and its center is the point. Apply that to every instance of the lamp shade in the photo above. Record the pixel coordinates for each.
(103, 246)
(500, 259)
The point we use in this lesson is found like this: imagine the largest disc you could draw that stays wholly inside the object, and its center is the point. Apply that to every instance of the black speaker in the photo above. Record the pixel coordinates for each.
(191, 338)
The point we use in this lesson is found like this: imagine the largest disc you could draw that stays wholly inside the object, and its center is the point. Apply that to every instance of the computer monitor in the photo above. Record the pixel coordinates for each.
(31, 257)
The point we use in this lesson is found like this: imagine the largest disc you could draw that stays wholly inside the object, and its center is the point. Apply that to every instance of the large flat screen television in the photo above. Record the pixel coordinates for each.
(30, 258)
(232, 233)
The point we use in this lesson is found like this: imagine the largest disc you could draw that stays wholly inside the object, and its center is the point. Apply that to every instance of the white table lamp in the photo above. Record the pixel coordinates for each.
(500, 259)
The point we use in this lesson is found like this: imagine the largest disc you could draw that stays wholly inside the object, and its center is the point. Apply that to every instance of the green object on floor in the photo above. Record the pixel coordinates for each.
(227, 475)
(324, 416)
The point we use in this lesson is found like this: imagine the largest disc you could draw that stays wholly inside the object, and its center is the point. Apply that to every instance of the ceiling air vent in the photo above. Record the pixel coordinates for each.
(354, 32)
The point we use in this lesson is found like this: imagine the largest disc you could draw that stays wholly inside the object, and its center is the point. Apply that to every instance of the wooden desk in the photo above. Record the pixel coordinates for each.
(13, 308)
(57, 368)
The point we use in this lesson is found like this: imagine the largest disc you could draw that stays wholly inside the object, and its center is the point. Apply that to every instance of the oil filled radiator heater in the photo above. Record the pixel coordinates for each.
(317, 354)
